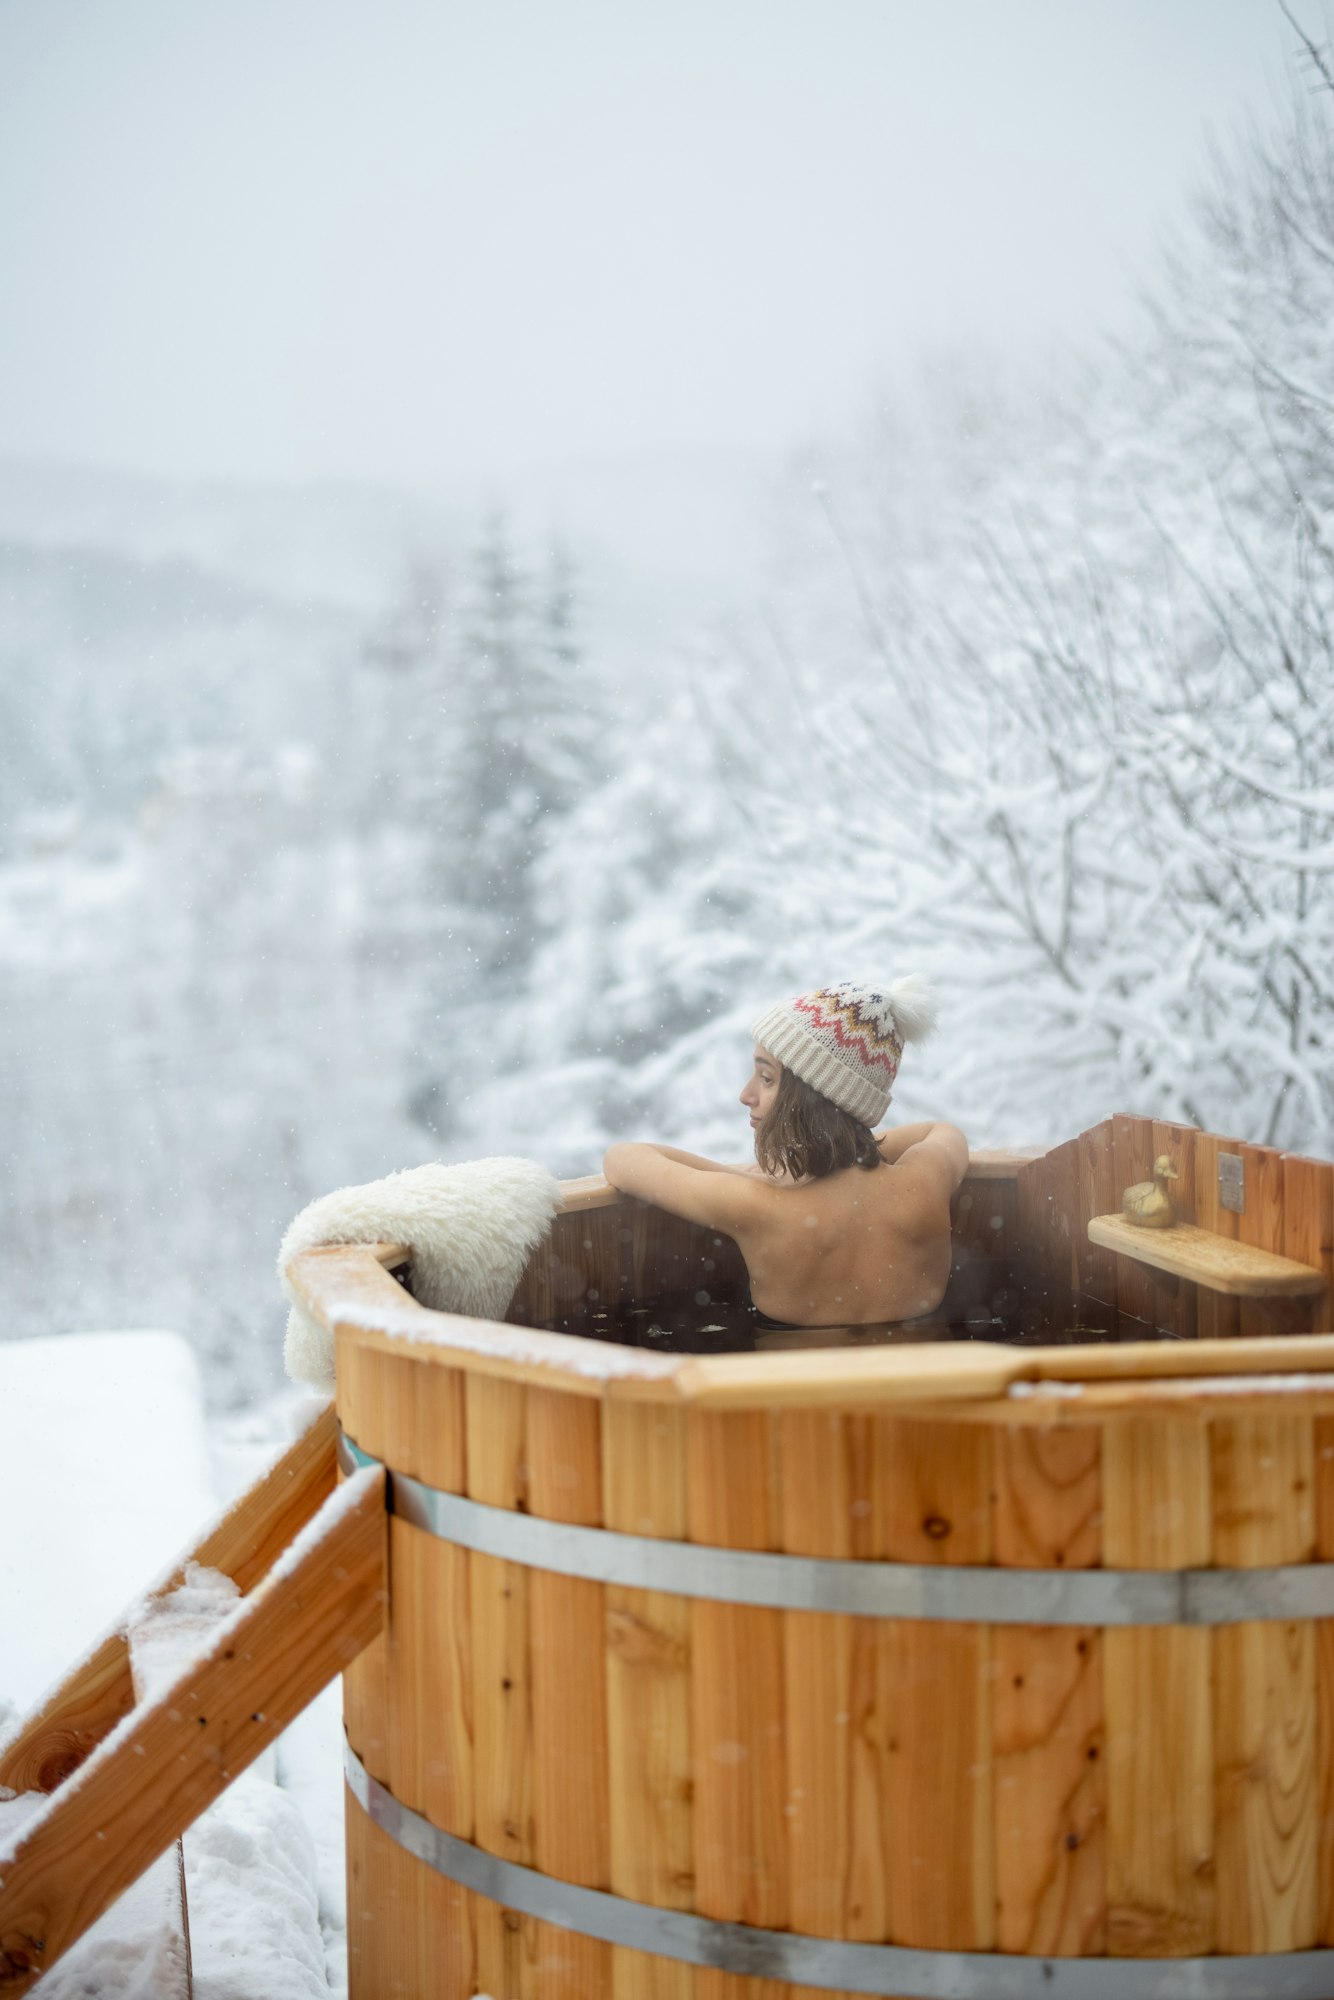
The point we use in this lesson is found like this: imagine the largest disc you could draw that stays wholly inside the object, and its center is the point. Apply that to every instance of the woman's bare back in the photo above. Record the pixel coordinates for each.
(853, 1248)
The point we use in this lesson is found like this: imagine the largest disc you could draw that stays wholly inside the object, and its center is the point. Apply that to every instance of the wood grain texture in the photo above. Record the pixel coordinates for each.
(412, 1692)
(410, 1931)
(172, 1756)
(1157, 1693)
(848, 1378)
(1132, 1161)
(1216, 1263)
(835, 1739)
(578, 1265)
(242, 1543)
(1145, 1361)
(648, 1693)
(987, 1163)
(1048, 1727)
(1174, 1296)
(363, 1388)
(1098, 1194)
(382, 1924)
(932, 1504)
(1273, 1315)
(1061, 1221)
(1216, 1312)
(984, 1212)
(1308, 1229)
(1324, 1550)
(664, 1253)
(567, 1626)
(428, 1691)
(346, 1286)
(737, 1693)
(1265, 1695)
(1192, 1398)
(502, 1690)
(1029, 1246)
(56, 1737)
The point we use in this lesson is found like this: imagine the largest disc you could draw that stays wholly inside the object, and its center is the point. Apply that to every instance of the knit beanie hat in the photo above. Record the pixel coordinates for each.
(846, 1040)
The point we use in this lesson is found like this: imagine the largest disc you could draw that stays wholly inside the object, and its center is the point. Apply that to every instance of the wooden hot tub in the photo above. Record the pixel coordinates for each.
(935, 1667)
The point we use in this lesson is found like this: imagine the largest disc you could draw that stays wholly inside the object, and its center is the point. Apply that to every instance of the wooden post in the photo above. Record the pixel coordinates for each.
(835, 1733)
(1324, 1549)
(503, 1745)
(362, 1388)
(1157, 1683)
(1051, 1890)
(648, 1692)
(737, 1714)
(1265, 1695)
(567, 1624)
(933, 1505)
(1308, 1228)
(1308, 1236)
(429, 1667)
(407, 1935)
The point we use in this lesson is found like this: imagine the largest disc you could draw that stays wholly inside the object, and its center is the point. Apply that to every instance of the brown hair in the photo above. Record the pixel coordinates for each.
(807, 1136)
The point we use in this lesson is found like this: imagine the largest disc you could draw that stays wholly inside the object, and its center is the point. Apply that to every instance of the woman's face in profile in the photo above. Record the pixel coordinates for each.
(761, 1090)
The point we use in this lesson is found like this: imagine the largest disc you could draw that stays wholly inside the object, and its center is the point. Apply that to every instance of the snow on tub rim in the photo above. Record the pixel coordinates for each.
(926, 1669)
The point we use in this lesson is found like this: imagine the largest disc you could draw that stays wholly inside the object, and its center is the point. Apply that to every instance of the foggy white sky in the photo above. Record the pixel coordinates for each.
(411, 240)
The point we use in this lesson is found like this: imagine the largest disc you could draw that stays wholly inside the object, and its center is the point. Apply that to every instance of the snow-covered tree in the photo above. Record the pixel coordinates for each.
(1075, 748)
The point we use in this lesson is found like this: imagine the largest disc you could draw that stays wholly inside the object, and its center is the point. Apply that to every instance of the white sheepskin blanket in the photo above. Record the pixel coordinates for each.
(470, 1228)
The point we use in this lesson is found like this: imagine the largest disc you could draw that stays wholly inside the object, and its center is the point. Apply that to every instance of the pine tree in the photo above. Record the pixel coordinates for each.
(523, 738)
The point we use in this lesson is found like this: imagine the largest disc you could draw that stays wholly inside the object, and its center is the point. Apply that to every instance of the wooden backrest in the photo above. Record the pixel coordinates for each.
(1288, 1209)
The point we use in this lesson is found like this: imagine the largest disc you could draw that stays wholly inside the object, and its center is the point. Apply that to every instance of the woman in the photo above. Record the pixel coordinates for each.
(838, 1226)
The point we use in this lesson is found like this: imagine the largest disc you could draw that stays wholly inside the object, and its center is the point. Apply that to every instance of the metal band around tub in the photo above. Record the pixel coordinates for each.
(830, 1962)
(953, 1592)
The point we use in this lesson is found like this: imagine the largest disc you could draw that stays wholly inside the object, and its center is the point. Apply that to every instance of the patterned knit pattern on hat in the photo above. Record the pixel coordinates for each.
(846, 1040)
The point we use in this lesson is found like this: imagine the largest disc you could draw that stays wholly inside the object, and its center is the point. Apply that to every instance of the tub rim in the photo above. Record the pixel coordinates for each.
(350, 1290)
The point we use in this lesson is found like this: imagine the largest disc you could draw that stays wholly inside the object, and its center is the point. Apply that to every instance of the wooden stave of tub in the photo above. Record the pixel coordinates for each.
(1057, 1792)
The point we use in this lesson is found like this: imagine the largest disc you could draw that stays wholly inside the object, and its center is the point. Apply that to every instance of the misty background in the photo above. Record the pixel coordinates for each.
(525, 532)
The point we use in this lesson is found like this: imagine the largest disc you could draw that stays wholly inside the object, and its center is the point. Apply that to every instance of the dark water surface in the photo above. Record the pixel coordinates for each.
(981, 1304)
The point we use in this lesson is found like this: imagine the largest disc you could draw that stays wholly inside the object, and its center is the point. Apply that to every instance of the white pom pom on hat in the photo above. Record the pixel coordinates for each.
(846, 1040)
(914, 1008)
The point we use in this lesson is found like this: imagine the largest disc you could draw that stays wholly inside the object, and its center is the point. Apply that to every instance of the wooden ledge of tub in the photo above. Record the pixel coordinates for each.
(996, 1164)
(1218, 1263)
(592, 1191)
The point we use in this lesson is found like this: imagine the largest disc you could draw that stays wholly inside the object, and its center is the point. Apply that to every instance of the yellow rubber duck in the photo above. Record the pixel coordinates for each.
(1148, 1204)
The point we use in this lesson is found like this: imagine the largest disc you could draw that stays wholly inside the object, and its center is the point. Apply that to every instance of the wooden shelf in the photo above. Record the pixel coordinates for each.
(1216, 1262)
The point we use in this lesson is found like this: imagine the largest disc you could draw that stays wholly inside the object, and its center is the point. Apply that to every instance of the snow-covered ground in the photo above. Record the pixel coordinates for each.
(112, 1472)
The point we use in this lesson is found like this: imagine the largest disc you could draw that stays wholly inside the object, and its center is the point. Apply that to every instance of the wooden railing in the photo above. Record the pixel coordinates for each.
(124, 1779)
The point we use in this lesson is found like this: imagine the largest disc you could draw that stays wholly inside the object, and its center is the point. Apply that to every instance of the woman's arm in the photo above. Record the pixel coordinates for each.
(895, 1143)
(932, 1158)
(699, 1190)
(698, 1160)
